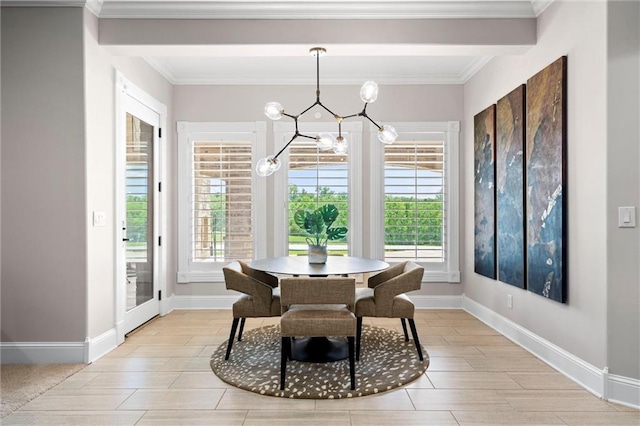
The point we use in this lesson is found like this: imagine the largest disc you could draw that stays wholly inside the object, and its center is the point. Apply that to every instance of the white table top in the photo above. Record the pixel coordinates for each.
(336, 265)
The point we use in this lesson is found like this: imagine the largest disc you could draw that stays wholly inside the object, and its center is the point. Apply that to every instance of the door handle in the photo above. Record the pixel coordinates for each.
(125, 239)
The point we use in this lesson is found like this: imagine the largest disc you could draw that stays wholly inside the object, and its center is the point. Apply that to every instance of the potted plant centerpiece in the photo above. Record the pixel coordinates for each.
(318, 224)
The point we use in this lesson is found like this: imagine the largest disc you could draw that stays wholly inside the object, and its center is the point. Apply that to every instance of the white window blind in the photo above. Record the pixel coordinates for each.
(222, 226)
(414, 199)
(220, 197)
(316, 178)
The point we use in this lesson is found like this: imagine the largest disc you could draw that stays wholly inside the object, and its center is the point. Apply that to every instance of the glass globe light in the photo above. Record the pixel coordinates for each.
(273, 110)
(267, 166)
(387, 134)
(369, 92)
(340, 146)
(325, 141)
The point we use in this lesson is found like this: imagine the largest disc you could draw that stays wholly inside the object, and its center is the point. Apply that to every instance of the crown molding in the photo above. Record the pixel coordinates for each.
(44, 3)
(300, 9)
(297, 80)
(330, 9)
(473, 68)
(539, 6)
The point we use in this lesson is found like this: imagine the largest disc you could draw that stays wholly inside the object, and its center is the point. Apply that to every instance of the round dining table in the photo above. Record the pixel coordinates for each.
(318, 349)
(335, 265)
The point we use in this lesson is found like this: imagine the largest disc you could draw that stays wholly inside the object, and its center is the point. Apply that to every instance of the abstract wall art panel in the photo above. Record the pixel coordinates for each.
(510, 119)
(484, 125)
(546, 181)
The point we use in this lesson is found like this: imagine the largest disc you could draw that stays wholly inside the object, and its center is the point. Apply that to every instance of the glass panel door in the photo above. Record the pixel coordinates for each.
(139, 232)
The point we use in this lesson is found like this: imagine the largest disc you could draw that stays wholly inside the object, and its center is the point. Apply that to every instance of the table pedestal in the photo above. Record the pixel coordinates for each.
(319, 349)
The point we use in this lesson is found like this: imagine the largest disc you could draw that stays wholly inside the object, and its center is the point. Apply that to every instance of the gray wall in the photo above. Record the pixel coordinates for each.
(600, 322)
(246, 103)
(44, 254)
(623, 187)
(100, 66)
(578, 30)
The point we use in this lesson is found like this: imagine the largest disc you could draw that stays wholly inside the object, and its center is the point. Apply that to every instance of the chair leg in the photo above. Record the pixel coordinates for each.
(412, 324)
(358, 336)
(352, 364)
(234, 326)
(404, 328)
(285, 348)
(241, 329)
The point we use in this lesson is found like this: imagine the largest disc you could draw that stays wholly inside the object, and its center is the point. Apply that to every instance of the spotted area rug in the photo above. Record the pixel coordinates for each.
(386, 362)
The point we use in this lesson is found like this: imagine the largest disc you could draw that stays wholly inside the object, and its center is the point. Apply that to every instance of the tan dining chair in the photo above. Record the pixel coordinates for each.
(260, 298)
(384, 297)
(317, 307)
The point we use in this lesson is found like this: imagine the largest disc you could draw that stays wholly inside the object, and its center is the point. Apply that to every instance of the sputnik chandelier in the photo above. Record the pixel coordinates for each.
(326, 141)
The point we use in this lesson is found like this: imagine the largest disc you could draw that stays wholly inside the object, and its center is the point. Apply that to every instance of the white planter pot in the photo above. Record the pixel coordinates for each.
(317, 254)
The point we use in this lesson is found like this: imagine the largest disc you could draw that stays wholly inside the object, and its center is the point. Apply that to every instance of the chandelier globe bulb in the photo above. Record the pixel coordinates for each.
(387, 134)
(340, 146)
(325, 141)
(268, 166)
(369, 92)
(273, 110)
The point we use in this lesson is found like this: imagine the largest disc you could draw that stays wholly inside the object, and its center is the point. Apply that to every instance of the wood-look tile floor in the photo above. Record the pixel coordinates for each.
(161, 376)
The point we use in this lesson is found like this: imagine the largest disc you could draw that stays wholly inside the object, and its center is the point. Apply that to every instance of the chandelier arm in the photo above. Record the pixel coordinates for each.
(296, 135)
(351, 116)
(374, 123)
(286, 145)
(317, 102)
(288, 115)
(306, 136)
(328, 110)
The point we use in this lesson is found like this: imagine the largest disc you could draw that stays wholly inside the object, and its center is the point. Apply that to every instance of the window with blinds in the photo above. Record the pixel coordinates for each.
(221, 195)
(316, 178)
(414, 199)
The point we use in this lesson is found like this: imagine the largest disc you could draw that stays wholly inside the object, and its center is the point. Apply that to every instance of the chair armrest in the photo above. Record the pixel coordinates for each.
(261, 276)
(384, 293)
(386, 275)
(259, 291)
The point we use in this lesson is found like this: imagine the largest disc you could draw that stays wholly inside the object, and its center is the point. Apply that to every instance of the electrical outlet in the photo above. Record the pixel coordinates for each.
(509, 301)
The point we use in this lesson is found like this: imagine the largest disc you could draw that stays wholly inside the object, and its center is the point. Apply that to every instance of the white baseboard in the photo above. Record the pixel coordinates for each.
(624, 391)
(618, 389)
(99, 346)
(436, 302)
(42, 352)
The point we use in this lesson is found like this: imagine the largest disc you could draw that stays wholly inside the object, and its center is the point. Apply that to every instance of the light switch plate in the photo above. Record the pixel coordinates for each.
(626, 217)
(99, 219)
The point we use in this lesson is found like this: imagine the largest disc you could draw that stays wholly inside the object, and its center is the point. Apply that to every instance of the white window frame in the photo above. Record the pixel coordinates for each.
(353, 133)
(189, 132)
(449, 270)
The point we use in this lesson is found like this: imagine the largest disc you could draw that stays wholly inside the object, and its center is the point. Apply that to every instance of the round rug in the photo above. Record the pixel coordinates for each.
(386, 362)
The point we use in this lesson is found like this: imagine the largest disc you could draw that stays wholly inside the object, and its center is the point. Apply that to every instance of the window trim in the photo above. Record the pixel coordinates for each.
(192, 131)
(450, 270)
(353, 133)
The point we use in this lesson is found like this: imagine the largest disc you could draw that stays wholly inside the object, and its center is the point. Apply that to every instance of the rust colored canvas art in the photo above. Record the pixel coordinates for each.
(484, 125)
(546, 191)
(510, 119)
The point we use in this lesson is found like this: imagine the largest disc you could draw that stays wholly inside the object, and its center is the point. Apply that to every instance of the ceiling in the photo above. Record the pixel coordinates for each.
(295, 66)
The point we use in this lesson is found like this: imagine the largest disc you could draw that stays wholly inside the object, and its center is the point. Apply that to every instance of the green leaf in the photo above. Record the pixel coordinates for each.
(329, 214)
(336, 233)
(300, 217)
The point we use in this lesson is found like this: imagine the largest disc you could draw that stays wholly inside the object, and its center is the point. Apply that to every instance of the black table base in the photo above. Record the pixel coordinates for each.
(319, 349)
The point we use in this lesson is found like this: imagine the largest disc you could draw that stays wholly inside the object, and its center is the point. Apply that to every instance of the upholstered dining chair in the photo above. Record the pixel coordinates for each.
(384, 297)
(260, 298)
(317, 307)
